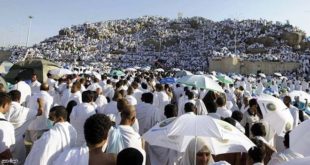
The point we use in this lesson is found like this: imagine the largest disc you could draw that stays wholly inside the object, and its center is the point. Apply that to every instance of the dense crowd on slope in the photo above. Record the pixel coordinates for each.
(184, 43)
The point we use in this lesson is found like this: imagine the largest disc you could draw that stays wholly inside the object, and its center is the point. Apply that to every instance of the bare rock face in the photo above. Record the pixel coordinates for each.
(66, 32)
(256, 50)
(293, 38)
(304, 46)
(267, 41)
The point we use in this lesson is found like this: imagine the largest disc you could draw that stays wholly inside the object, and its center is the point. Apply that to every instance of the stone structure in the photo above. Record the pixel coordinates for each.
(233, 64)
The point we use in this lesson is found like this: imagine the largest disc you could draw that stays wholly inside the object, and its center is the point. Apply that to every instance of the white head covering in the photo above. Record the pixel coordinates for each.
(131, 101)
(190, 155)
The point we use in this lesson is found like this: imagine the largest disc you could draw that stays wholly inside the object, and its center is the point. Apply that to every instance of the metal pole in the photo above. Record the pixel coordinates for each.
(235, 44)
(30, 18)
(235, 38)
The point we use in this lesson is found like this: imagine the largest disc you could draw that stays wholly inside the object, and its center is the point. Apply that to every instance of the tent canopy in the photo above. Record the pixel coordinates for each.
(25, 69)
(5, 67)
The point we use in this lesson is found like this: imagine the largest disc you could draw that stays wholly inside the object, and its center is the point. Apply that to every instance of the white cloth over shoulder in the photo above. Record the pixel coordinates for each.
(110, 108)
(77, 97)
(35, 87)
(76, 156)
(129, 136)
(146, 115)
(20, 117)
(93, 87)
(7, 138)
(124, 136)
(78, 117)
(101, 101)
(47, 149)
(223, 112)
(160, 100)
(24, 89)
(40, 123)
(284, 156)
(19, 114)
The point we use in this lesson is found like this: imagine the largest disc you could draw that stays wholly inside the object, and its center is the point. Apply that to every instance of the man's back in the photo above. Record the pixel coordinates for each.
(137, 94)
(35, 87)
(40, 123)
(57, 139)
(110, 108)
(223, 112)
(284, 156)
(24, 89)
(145, 114)
(7, 138)
(78, 117)
(82, 156)
(19, 114)
(20, 117)
(101, 158)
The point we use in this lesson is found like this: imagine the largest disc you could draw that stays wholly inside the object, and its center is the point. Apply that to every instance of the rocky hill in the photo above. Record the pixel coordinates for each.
(184, 36)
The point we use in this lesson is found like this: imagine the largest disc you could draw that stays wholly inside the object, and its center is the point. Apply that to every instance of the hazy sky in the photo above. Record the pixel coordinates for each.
(52, 15)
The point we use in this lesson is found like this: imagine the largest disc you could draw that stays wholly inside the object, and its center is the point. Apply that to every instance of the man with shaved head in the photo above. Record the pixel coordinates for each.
(41, 124)
(124, 136)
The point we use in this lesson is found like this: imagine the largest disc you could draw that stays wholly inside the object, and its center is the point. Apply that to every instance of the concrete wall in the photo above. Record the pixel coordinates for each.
(230, 64)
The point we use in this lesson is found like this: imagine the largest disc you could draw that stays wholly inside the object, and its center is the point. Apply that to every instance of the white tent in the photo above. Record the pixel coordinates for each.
(5, 67)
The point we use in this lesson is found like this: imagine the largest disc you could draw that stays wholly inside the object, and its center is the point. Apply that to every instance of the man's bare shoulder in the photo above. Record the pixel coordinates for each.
(103, 159)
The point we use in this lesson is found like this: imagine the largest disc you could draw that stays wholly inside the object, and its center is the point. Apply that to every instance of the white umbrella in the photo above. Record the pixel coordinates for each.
(183, 73)
(176, 69)
(283, 78)
(199, 72)
(159, 70)
(212, 77)
(236, 77)
(225, 79)
(231, 140)
(301, 94)
(275, 112)
(251, 79)
(300, 138)
(191, 125)
(137, 67)
(158, 136)
(213, 73)
(97, 75)
(278, 74)
(60, 71)
(130, 69)
(262, 75)
(299, 161)
(87, 72)
(147, 68)
(201, 81)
